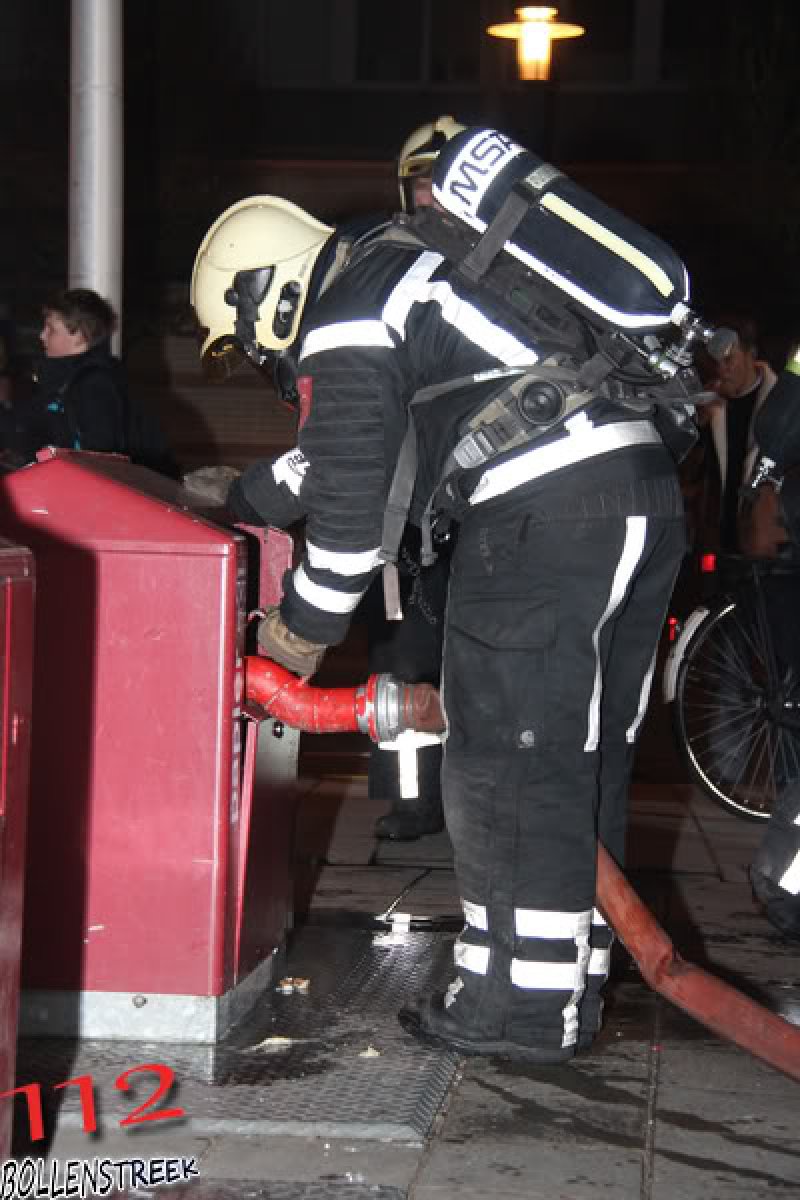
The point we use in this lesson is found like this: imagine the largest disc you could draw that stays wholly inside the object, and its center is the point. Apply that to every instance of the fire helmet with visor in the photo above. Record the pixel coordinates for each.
(419, 152)
(251, 278)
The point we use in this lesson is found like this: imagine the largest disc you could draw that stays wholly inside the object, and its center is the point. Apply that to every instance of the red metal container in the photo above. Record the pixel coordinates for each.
(16, 666)
(143, 916)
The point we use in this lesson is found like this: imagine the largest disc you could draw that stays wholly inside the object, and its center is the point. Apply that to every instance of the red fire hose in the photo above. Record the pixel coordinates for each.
(715, 1004)
(383, 707)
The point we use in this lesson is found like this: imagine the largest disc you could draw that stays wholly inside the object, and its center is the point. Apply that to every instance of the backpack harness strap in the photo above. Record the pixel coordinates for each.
(520, 199)
(536, 399)
(533, 402)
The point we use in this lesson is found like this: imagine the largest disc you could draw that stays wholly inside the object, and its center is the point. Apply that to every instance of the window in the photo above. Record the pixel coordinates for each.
(455, 41)
(605, 52)
(389, 44)
(695, 38)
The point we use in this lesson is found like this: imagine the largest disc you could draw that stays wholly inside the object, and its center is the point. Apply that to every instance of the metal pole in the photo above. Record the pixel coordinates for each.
(96, 150)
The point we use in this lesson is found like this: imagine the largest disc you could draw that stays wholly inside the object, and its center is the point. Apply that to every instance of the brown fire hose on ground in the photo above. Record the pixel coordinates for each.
(383, 708)
(717, 1005)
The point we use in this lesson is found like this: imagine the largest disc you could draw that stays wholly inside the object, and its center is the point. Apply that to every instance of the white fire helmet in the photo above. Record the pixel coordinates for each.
(251, 277)
(419, 152)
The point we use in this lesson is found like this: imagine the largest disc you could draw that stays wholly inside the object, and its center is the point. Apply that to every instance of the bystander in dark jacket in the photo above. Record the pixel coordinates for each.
(81, 399)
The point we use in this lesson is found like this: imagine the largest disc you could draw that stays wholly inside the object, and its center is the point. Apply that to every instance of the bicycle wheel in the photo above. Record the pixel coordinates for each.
(737, 730)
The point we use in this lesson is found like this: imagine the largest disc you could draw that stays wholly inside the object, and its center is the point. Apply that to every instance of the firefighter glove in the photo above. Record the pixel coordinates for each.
(286, 648)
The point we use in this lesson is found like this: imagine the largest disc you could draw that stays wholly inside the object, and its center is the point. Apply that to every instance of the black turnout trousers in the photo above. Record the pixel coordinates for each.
(553, 622)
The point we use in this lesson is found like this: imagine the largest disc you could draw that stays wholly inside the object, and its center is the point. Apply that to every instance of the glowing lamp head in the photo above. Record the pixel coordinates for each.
(534, 32)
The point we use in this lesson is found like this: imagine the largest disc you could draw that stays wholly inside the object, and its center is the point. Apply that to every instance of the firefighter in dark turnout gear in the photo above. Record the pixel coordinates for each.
(538, 436)
(411, 648)
(775, 871)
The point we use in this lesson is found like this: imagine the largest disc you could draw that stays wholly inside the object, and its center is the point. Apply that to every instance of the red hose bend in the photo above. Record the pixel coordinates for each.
(383, 707)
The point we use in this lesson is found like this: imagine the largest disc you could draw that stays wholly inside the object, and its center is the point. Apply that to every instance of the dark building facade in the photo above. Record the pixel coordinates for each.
(682, 114)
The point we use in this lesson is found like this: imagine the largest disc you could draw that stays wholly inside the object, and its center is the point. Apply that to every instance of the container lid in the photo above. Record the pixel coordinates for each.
(105, 502)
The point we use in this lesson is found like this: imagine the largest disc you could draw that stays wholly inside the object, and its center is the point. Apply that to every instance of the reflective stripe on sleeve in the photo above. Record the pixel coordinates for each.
(325, 598)
(342, 562)
(344, 334)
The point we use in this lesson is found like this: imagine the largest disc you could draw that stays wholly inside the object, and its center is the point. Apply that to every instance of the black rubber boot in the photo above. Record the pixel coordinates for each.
(431, 1023)
(408, 820)
(780, 907)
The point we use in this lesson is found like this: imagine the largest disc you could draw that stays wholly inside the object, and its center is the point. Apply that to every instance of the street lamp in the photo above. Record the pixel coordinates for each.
(535, 31)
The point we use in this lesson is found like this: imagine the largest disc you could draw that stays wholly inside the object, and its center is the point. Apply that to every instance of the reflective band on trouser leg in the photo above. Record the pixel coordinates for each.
(635, 536)
(644, 696)
(471, 958)
(790, 880)
(475, 915)
(599, 961)
(601, 939)
(467, 954)
(542, 925)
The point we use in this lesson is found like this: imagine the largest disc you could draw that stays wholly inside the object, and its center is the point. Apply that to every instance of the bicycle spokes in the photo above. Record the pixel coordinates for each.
(738, 711)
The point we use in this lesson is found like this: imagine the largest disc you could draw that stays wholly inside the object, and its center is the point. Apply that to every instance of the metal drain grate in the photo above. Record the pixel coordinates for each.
(334, 1063)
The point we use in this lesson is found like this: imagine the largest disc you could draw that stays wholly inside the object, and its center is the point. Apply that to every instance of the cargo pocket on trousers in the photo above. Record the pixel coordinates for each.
(498, 672)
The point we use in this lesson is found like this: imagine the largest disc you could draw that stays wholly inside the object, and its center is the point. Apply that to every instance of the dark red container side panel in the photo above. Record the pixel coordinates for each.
(264, 846)
(135, 797)
(16, 668)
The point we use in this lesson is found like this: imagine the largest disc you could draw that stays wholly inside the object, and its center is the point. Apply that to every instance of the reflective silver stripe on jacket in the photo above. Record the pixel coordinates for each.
(328, 599)
(343, 562)
(416, 287)
(345, 333)
(582, 441)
